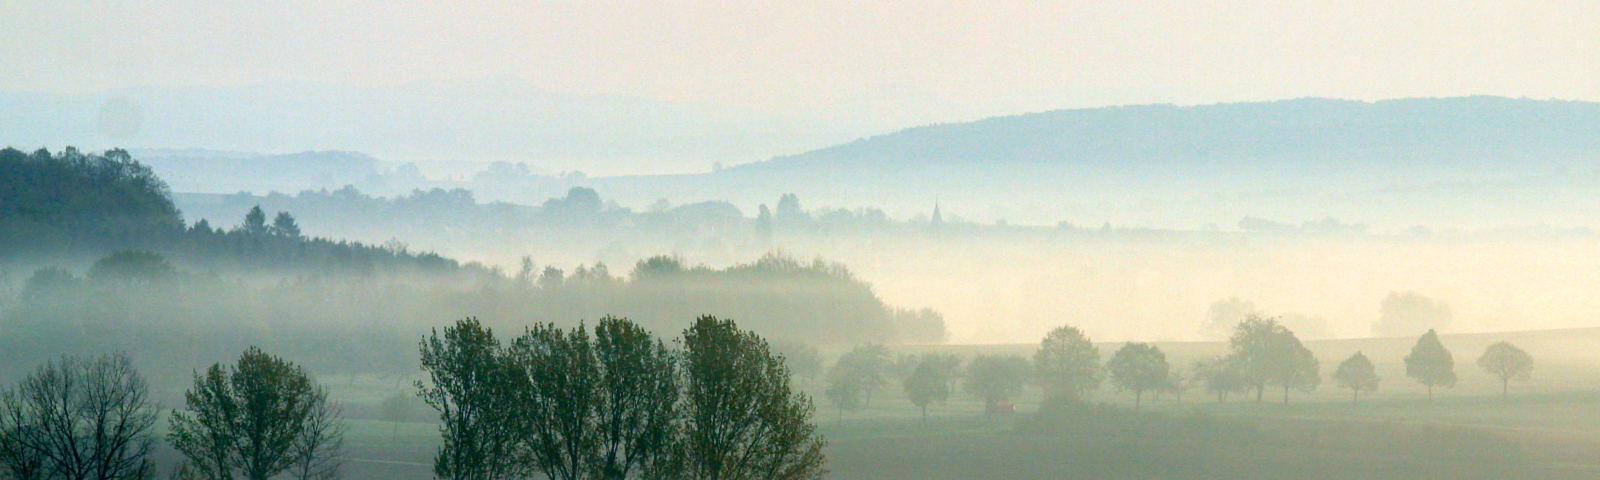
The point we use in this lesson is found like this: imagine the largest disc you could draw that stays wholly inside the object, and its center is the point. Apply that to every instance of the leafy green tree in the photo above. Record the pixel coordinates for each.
(605, 408)
(1357, 374)
(996, 378)
(743, 422)
(1067, 365)
(1139, 367)
(1430, 363)
(255, 221)
(639, 400)
(804, 360)
(78, 419)
(559, 404)
(250, 417)
(844, 390)
(285, 225)
(1267, 353)
(131, 267)
(928, 383)
(1220, 376)
(866, 367)
(473, 386)
(1506, 362)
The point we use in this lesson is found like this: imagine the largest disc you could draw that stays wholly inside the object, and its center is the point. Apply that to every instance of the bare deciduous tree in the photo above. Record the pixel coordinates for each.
(319, 450)
(78, 419)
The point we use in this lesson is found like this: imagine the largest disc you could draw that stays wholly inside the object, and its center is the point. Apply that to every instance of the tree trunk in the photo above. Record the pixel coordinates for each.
(1138, 396)
(1354, 392)
(1285, 394)
(924, 414)
(1430, 393)
(1503, 394)
(1261, 390)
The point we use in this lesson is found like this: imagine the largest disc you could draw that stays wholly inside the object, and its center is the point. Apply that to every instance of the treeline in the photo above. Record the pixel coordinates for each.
(553, 403)
(105, 261)
(169, 317)
(1263, 354)
(620, 404)
(67, 206)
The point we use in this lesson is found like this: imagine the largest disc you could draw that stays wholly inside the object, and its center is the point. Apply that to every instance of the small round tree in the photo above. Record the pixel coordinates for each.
(1430, 363)
(1067, 365)
(1506, 362)
(1356, 373)
(1139, 367)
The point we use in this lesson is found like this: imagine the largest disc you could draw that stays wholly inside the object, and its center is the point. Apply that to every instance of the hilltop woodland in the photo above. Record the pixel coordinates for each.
(96, 257)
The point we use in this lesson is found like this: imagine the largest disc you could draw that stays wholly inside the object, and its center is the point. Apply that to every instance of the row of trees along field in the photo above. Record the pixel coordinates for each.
(555, 403)
(619, 404)
(1067, 368)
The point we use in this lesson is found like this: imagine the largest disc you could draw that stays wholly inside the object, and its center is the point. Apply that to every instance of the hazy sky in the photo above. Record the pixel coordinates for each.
(907, 62)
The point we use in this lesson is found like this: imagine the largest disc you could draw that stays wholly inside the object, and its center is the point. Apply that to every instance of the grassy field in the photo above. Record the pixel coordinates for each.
(1550, 428)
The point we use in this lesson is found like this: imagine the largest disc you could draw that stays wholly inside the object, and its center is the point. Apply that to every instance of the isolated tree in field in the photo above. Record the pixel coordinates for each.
(1506, 362)
(1356, 373)
(1430, 363)
(472, 386)
(78, 419)
(250, 417)
(928, 383)
(1067, 365)
(996, 378)
(1410, 313)
(1139, 367)
(742, 421)
(1267, 353)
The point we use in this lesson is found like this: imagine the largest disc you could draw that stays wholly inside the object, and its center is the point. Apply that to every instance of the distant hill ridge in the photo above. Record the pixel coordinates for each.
(1405, 130)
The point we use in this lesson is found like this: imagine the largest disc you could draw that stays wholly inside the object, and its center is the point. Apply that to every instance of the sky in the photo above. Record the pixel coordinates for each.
(894, 64)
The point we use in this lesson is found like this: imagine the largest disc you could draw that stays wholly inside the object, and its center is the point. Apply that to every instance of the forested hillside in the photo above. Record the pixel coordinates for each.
(96, 257)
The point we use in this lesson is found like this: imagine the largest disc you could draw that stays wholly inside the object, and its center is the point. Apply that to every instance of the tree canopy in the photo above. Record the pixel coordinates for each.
(1067, 365)
(1430, 363)
(1506, 362)
(1357, 374)
(1139, 367)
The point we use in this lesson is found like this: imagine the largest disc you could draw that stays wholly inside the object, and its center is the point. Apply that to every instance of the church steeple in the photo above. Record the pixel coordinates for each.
(937, 219)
